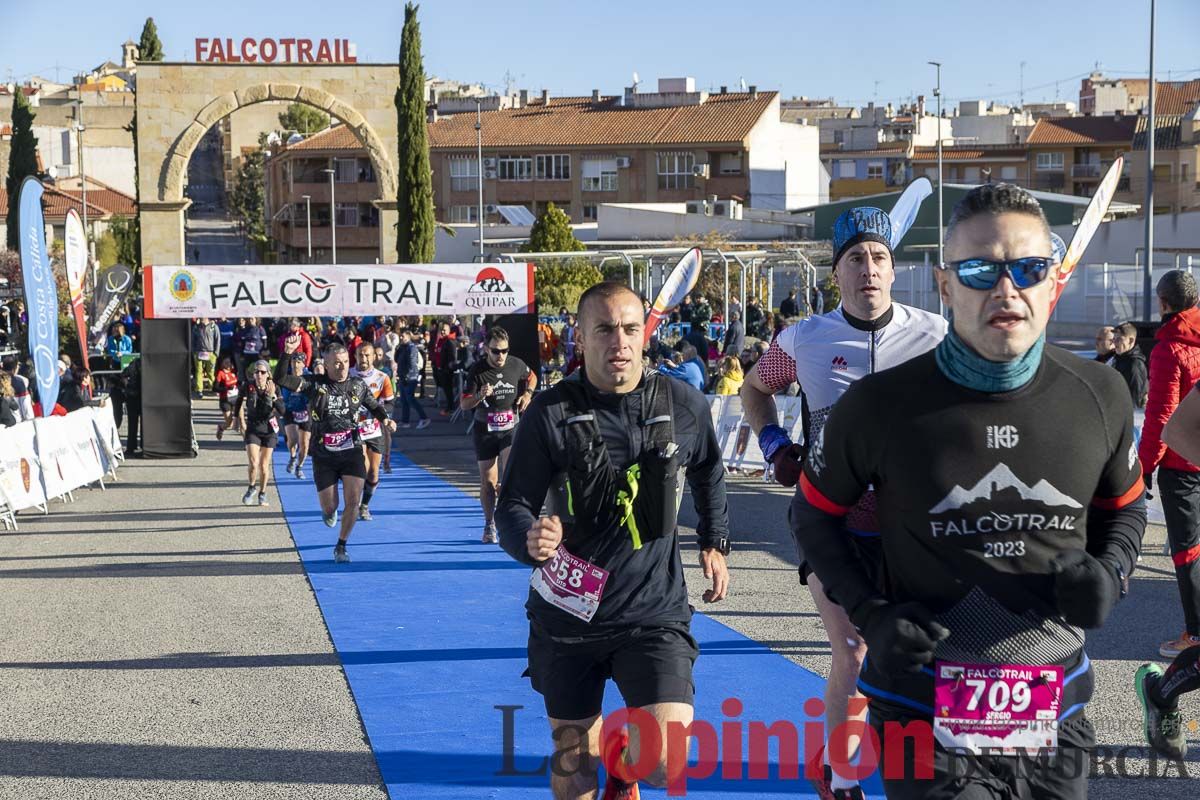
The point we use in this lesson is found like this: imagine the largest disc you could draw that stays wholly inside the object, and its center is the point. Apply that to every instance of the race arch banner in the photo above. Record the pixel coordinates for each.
(304, 290)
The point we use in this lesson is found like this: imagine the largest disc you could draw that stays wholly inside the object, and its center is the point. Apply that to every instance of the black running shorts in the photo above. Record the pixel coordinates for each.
(290, 419)
(327, 471)
(267, 440)
(489, 445)
(375, 444)
(649, 665)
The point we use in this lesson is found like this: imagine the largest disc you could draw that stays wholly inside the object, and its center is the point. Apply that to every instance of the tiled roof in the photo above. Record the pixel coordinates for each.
(578, 122)
(965, 153)
(1082, 130)
(1167, 135)
(5, 130)
(1176, 97)
(339, 137)
(883, 148)
(102, 203)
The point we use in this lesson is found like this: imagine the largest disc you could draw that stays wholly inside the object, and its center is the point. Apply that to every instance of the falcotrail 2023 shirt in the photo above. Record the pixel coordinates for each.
(977, 494)
(497, 413)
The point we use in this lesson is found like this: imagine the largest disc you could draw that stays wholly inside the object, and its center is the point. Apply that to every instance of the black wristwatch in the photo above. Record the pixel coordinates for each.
(720, 544)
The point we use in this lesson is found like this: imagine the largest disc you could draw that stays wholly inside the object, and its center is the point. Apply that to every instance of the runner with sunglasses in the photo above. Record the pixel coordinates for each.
(259, 407)
(826, 354)
(1011, 512)
(498, 389)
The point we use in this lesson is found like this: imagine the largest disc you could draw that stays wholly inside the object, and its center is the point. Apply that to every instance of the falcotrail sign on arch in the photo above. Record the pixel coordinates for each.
(304, 290)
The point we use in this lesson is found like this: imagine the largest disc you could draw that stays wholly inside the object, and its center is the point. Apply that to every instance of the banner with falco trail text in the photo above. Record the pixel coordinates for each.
(284, 290)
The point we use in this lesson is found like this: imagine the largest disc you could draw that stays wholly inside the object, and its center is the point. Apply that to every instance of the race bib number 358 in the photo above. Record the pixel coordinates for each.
(1006, 709)
(570, 583)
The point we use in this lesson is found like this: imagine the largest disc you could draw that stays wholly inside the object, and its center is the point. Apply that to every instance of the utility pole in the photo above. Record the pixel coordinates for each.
(1148, 271)
(308, 222)
(332, 214)
(87, 233)
(937, 93)
(1022, 84)
(479, 167)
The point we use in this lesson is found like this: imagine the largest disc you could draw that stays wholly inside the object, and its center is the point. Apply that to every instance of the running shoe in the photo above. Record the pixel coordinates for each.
(220, 432)
(1162, 727)
(330, 520)
(300, 473)
(364, 513)
(262, 499)
(1174, 648)
(387, 468)
(248, 497)
(291, 463)
(611, 753)
(617, 789)
(489, 534)
(340, 556)
(423, 424)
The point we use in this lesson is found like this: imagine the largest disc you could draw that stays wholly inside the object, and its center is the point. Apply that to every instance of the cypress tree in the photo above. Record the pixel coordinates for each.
(22, 160)
(414, 189)
(149, 47)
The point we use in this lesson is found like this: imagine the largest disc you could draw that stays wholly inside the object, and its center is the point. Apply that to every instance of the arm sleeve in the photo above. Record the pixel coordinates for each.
(706, 477)
(1161, 403)
(777, 369)
(1117, 515)
(523, 491)
(836, 473)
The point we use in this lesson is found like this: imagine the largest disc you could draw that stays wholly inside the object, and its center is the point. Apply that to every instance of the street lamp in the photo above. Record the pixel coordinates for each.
(479, 167)
(308, 222)
(937, 93)
(332, 215)
(1148, 271)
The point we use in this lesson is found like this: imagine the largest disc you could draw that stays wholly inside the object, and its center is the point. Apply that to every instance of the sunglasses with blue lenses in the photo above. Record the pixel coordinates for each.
(983, 273)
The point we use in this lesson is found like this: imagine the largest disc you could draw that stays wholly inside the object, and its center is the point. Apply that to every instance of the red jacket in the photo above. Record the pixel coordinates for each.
(1174, 370)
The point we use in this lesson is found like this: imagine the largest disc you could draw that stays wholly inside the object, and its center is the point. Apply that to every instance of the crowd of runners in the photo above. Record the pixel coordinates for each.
(969, 499)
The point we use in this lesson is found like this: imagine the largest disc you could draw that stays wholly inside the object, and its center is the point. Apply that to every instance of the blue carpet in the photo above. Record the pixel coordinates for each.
(430, 626)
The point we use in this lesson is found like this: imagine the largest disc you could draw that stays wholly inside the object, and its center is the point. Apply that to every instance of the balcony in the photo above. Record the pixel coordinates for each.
(1085, 170)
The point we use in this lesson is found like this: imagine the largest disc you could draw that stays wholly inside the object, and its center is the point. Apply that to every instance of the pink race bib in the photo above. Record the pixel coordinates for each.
(339, 440)
(501, 421)
(570, 583)
(369, 429)
(1003, 708)
(274, 423)
(300, 416)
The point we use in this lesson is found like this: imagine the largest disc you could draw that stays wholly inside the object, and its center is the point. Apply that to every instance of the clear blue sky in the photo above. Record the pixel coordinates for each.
(798, 47)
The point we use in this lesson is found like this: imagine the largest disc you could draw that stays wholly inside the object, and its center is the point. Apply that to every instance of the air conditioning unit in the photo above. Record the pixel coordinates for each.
(695, 206)
(623, 162)
(489, 174)
(491, 208)
(489, 163)
(700, 170)
(722, 208)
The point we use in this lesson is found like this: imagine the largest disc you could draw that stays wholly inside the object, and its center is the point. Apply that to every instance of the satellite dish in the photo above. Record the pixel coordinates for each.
(273, 138)
(636, 80)
(742, 82)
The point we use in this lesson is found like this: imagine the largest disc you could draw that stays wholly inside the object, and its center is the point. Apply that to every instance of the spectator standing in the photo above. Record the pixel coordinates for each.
(735, 335)
(789, 307)
(206, 341)
(1129, 361)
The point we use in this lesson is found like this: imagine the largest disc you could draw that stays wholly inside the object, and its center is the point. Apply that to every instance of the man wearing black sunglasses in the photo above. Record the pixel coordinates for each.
(498, 388)
(1011, 511)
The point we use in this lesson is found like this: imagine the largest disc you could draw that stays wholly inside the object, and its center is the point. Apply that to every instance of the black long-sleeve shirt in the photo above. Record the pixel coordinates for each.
(977, 495)
(333, 408)
(646, 586)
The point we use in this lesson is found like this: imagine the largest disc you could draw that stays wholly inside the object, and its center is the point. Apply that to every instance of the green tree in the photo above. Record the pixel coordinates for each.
(249, 196)
(559, 283)
(126, 235)
(149, 47)
(106, 249)
(22, 160)
(303, 118)
(552, 233)
(414, 189)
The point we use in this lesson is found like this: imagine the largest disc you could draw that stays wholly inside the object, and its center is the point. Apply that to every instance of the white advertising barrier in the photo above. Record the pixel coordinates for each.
(20, 470)
(284, 290)
(108, 436)
(69, 452)
(739, 445)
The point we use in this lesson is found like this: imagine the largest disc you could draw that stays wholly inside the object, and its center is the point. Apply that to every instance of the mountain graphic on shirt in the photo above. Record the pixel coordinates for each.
(1001, 480)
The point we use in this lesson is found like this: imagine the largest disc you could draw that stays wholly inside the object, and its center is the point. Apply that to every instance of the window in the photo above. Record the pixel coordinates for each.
(1183, 171)
(1162, 172)
(366, 171)
(464, 173)
(599, 175)
(971, 174)
(846, 169)
(516, 168)
(675, 171)
(731, 163)
(345, 170)
(931, 173)
(875, 170)
(553, 168)
(1008, 173)
(309, 171)
(589, 212)
(1049, 161)
(347, 215)
(464, 213)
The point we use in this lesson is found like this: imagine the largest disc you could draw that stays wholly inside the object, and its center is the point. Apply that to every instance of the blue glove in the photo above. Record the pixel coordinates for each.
(778, 449)
(771, 440)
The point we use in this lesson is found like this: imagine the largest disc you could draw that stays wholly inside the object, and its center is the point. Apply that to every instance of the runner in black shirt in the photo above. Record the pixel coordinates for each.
(608, 598)
(259, 407)
(334, 400)
(1011, 512)
(498, 388)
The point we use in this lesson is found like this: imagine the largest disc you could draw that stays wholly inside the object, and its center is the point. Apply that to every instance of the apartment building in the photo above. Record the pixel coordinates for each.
(971, 165)
(1176, 159)
(670, 146)
(1071, 154)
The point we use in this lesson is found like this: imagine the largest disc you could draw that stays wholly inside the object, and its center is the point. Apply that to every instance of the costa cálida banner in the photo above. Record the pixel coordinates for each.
(41, 294)
(282, 290)
(75, 250)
